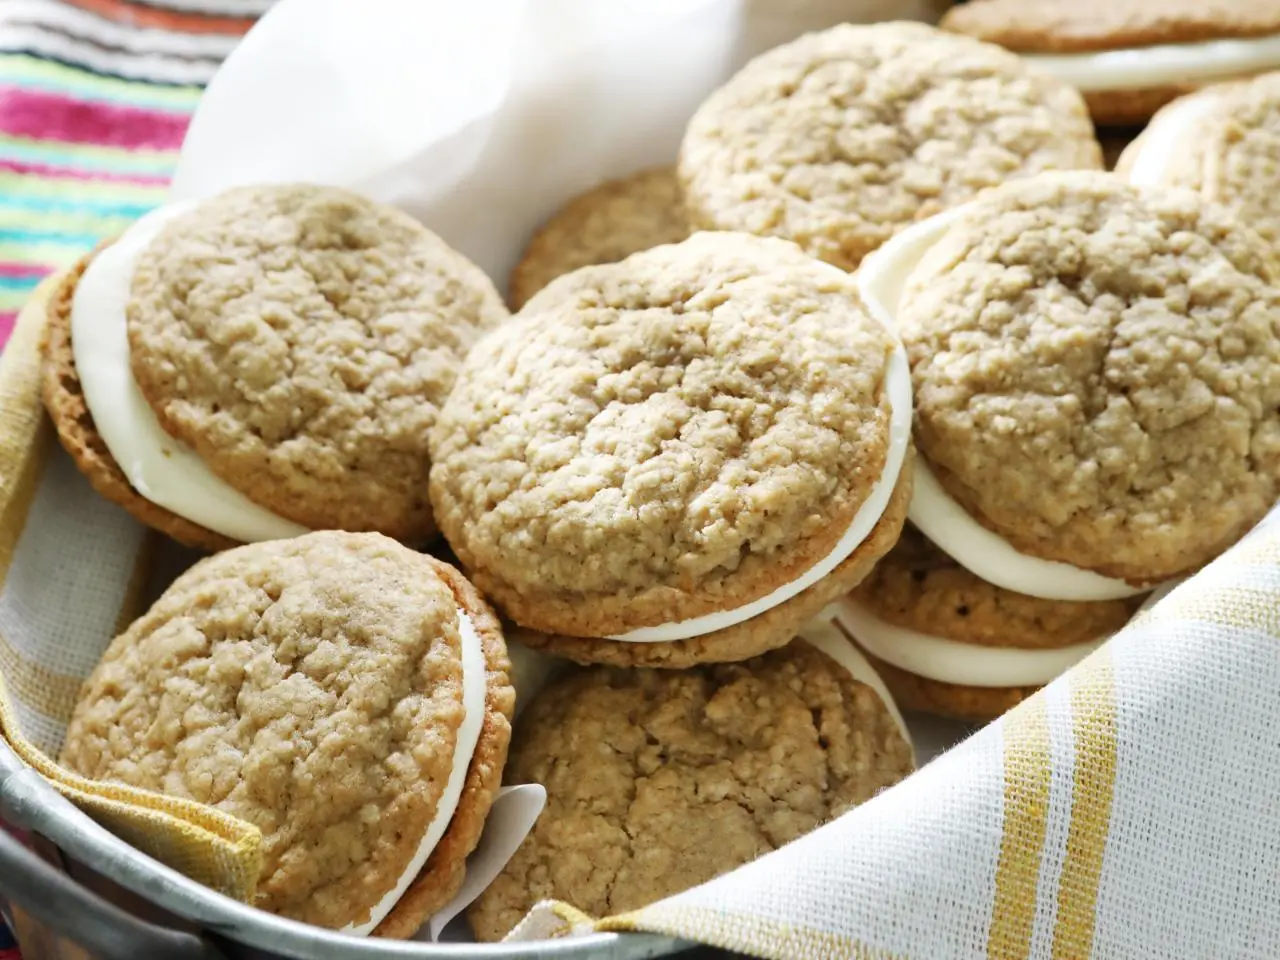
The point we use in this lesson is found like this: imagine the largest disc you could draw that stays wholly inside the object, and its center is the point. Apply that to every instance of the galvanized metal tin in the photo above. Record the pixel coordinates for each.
(195, 923)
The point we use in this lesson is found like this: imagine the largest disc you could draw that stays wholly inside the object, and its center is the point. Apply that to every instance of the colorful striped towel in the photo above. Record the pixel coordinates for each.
(95, 96)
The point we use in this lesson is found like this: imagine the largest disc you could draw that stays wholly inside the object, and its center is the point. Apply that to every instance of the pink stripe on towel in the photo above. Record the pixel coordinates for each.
(49, 116)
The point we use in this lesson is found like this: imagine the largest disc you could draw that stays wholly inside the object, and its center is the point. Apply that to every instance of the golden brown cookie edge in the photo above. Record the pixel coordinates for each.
(446, 868)
(64, 401)
(768, 631)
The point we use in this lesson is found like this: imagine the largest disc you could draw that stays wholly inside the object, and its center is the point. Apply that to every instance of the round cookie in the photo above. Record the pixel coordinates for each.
(660, 454)
(660, 780)
(603, 225)
(1130, 57)
(264, 362)
(840, 139)
(1222, 142)
(317, 688)
(63, 396)
(1097, 375)
(949, 643)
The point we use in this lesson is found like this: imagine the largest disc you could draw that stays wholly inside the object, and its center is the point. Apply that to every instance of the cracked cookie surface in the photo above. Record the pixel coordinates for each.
(669, 436)
(842, 138)
(301, 340)
(312, 687)
(603, 225)
(1230, 156)
(657, 780)
(918, 587)
(1097, 372)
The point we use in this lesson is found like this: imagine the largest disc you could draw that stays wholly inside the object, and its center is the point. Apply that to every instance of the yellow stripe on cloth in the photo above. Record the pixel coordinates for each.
(1093, 714)
(211, 847)
(1027, 771)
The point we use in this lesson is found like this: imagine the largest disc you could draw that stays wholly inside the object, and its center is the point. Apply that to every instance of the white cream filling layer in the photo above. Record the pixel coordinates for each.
(464, 747)
(965, 664)
(824, 637)
(882, 279)
(1164, 136)
(898, 388)
(1162, 65)
(156, 465)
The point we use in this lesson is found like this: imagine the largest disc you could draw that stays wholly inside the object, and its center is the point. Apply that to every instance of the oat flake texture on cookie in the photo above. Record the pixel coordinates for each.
(314, 688)
(660, 780)
(301, 340)
(669, 437)
(1097, 372)
(840, 139)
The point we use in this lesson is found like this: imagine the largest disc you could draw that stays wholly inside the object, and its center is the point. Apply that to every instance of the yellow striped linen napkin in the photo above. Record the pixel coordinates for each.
(1127, 811)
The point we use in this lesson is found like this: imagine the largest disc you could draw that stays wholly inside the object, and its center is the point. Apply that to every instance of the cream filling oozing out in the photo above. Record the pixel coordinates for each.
(161, 469)
(464, 747)
(825, 638)
(898, 388)
(1162, 65)
(948, 661)
(882, 279)
(1164, 136)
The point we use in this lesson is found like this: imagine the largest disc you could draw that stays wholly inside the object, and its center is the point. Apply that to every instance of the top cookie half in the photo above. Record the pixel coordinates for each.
(1222, 142)
(300, 340)
(670, 436)
(1097, 372)
(842, 138)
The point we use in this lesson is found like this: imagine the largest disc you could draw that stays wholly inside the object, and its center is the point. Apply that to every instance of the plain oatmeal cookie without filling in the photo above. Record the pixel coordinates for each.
(603, 225)
(657, 780)
(842, 138)
(1097, 372)
(301, 340)
(666, 437)
(312, 687)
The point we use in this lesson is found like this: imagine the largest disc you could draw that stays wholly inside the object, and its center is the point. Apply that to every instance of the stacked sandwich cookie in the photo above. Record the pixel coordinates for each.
(1093, 366)
(678, 458)
(1130, 57)
(263, 363)
(345, 695)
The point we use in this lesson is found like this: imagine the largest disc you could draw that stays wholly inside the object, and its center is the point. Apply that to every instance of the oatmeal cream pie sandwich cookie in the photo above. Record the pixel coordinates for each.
(1222, 142)
(949, 643)
(840, 139)
(1130, 57)
(604, 225)
(1096, 369)
(264, 362)
(659, 780)
(677, 458)
(344, 694)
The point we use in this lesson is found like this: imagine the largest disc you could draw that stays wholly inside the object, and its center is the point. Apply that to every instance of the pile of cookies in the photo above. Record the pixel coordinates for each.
(884, 391)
